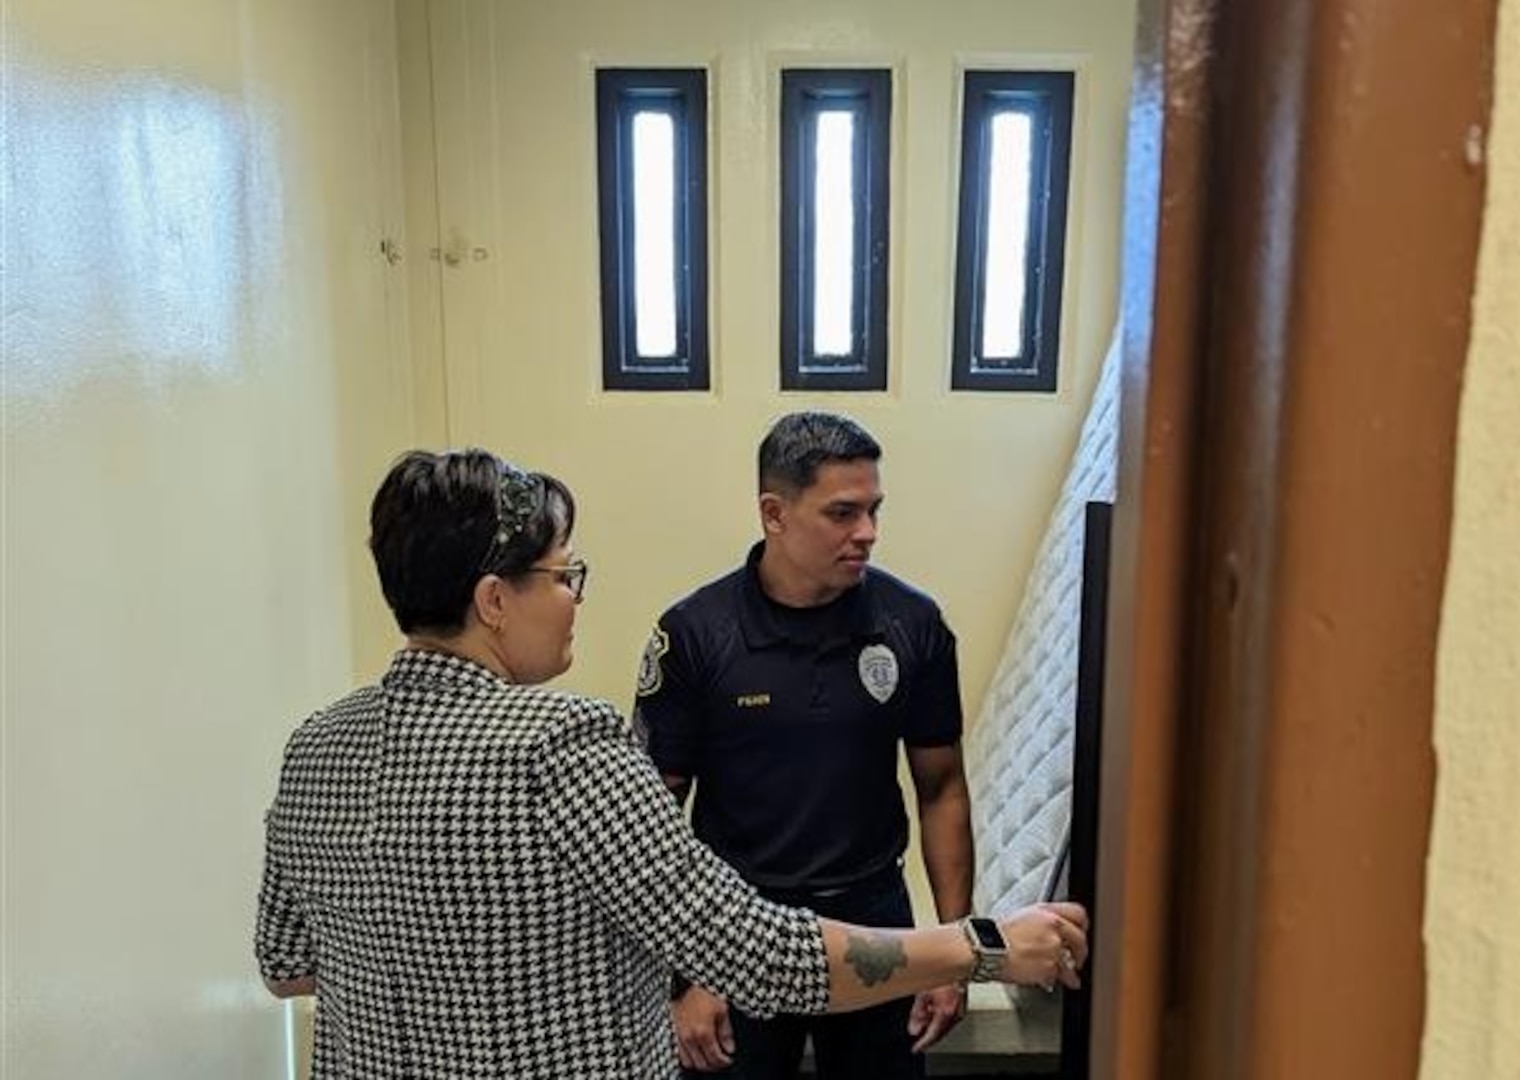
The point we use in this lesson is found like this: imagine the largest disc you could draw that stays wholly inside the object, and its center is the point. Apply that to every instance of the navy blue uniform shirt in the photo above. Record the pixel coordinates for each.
(789, 719)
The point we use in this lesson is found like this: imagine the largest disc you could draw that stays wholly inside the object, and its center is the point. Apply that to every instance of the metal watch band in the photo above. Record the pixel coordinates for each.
(989, 962)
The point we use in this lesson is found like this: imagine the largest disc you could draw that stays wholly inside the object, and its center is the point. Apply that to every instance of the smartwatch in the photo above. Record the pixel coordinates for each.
(988, 946)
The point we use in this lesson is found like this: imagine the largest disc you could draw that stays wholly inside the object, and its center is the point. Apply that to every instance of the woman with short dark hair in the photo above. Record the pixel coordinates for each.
(481, 877)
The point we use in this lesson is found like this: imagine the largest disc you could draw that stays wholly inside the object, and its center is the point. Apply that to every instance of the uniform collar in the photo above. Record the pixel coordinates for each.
(757, 619)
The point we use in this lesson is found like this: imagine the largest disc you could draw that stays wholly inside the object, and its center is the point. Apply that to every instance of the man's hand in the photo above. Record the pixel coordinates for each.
(934, 1013)
(704, 1037)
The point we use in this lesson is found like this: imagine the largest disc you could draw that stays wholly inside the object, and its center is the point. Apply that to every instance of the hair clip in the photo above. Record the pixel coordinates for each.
(519, 497)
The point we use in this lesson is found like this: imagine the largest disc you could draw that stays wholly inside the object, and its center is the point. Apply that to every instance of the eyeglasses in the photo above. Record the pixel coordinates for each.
(572, 575)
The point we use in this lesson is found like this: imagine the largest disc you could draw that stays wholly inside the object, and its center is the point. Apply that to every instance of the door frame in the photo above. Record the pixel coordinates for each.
(1301, 238)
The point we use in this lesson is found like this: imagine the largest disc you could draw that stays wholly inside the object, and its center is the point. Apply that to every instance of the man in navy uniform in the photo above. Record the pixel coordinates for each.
(781, 691)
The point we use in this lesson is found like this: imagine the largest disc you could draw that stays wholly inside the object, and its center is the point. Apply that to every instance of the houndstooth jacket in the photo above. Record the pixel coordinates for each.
(491, 881)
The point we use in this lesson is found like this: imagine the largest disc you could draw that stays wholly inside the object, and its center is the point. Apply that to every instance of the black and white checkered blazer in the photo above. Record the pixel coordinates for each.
(490, 880)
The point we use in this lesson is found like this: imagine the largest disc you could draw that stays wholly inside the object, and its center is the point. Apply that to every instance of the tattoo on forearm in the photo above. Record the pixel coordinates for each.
(874, 957)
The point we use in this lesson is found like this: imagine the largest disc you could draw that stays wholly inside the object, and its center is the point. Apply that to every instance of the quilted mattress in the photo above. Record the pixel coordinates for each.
(1019, 751)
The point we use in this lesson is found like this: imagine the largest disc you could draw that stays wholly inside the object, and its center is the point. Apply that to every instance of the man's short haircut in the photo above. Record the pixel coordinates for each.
(800, 442)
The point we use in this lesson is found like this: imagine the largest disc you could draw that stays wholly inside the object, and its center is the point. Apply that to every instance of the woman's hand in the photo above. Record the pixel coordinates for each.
(1047, 943)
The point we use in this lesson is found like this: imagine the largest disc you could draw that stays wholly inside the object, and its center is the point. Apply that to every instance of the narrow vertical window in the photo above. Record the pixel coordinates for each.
(1010, 249)
(652, 189)
(835, 160)
(654, 234)
(1007, 237)
(834, 237)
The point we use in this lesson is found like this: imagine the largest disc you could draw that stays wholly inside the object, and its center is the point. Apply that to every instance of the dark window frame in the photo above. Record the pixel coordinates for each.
(1047, 97)
(620, 93)
(804, 93)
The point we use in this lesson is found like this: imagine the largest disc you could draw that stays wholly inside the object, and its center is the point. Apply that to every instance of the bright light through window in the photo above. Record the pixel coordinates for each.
(651, 155)
(654, 233)
(834, 236)
(1007, 237)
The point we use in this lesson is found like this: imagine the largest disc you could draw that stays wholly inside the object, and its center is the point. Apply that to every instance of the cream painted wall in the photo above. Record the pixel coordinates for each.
(204, 365)
(666, 480)
(1472, 913)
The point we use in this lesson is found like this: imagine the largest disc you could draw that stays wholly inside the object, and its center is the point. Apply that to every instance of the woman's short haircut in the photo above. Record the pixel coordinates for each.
(440, 521)
(800, 442)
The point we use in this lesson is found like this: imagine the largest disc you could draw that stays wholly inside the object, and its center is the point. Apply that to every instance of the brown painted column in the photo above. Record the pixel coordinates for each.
(1300, 537)
(1164, 316)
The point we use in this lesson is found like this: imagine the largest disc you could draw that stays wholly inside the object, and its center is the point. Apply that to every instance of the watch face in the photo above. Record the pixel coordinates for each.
(987, 933)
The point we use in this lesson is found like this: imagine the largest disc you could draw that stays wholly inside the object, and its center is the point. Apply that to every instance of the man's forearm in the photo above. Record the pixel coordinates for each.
(945, 835)
(680, 787)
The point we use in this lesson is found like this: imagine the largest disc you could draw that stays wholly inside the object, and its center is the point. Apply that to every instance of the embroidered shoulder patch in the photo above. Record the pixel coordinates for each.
(651, 674)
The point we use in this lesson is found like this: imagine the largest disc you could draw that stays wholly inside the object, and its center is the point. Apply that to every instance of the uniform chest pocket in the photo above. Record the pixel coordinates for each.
(859, 684)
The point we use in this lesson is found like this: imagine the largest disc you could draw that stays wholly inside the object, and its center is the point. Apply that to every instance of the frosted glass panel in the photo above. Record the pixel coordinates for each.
(1007, 236)
(654, 233)
(834, 236)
